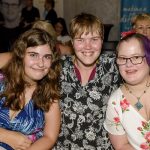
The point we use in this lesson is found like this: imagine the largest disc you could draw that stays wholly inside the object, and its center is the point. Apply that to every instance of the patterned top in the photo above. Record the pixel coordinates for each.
(122, 118)
(29, 121)
(83, 107)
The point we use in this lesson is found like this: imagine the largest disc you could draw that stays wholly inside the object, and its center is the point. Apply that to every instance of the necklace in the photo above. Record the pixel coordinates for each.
(138, 105)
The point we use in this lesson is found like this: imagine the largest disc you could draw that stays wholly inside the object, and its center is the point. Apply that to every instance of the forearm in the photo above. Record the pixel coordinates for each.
(4, 59)
(44, 143)
(120, 142)
(4, 135)
(11, 138)
(125, 147)
(51, 129)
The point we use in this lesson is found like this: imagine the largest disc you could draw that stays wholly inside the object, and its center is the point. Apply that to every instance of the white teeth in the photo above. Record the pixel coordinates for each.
(87, 53)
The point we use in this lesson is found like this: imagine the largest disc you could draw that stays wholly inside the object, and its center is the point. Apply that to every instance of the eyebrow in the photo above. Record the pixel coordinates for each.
(87, 38)
(39, 54)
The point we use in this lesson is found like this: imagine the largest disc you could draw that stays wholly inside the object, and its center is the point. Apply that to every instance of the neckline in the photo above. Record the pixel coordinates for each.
(18, 113)
(91, 77)
(132, 107)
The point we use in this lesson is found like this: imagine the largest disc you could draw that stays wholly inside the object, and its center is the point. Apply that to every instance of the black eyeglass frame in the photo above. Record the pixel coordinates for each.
(126, 59)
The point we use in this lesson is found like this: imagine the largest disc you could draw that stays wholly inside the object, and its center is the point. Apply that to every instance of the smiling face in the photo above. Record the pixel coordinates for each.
(37, 62)
(87, 48)
(143, 27)
(133, 74)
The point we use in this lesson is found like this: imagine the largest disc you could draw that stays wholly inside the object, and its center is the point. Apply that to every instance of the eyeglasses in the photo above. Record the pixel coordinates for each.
(134, 60)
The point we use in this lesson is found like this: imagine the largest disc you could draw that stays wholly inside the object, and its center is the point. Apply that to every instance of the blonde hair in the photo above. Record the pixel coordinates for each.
(86, 23)
(46, 26)
(139, 17)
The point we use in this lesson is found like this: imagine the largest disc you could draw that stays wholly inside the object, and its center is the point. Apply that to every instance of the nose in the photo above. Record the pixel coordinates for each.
(129, 63)
(145, 31)
(40, 62)
(88, 44)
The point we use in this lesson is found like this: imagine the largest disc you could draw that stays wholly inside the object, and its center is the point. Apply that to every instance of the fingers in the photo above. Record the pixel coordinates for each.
(23, 145)
(28, 141)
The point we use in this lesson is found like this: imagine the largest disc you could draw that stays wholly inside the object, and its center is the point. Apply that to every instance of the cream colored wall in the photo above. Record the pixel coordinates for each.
(58, 7)
(108, 10)
(40, 5)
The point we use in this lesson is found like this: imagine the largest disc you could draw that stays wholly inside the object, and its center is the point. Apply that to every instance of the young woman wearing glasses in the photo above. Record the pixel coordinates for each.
(128, 111)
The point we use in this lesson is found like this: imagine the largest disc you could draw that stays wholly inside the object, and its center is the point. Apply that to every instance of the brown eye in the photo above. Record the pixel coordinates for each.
(48, 56)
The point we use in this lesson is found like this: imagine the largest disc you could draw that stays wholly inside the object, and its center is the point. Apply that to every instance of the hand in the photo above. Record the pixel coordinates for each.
(18, 141)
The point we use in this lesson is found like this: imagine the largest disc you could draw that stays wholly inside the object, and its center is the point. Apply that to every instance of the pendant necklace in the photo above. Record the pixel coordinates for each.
(138, 105)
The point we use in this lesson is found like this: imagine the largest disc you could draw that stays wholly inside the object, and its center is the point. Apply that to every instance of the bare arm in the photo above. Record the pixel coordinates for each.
(120, 142)
(11, 138)
(65, 49)
(51, 132)
(51, 129)
(4, 58)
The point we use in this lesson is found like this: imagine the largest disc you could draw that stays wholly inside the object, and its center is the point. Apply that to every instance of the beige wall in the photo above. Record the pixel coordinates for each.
(40, 5)
(58, 7)
(108, 10)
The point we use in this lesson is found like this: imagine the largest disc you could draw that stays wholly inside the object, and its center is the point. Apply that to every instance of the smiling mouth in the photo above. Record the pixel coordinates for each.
(37, 69)
(87, 53)
(131, 71)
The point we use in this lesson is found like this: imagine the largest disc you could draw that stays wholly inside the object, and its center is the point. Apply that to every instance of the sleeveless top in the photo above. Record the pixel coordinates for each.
(29, 121)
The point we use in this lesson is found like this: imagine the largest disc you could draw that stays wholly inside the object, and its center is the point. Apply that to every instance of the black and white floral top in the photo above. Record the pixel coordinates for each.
(83, 107)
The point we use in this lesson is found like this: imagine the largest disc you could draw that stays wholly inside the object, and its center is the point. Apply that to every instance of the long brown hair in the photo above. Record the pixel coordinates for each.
(47, 90)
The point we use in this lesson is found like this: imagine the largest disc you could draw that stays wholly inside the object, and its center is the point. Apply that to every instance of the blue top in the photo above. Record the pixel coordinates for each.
(30, 120)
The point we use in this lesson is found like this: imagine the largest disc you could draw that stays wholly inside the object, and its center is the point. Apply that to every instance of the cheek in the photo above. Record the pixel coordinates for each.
(97, 46)
(78, 47)
(48, 64)
(148, 35)
(28, 62)
(122, 70)
(145, 68)
(141, 31)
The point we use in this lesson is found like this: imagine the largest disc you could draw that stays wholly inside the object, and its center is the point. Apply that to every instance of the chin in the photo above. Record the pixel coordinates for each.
(37, 78)
(132, 81)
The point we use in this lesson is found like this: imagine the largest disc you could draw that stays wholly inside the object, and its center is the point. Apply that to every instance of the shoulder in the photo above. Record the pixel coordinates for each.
(66, 61)
(108, 63)
(117, 92)
(24, 9)
(107, 58)
(64, 39)
(116, 96)
(35, 8)
(52, 11)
